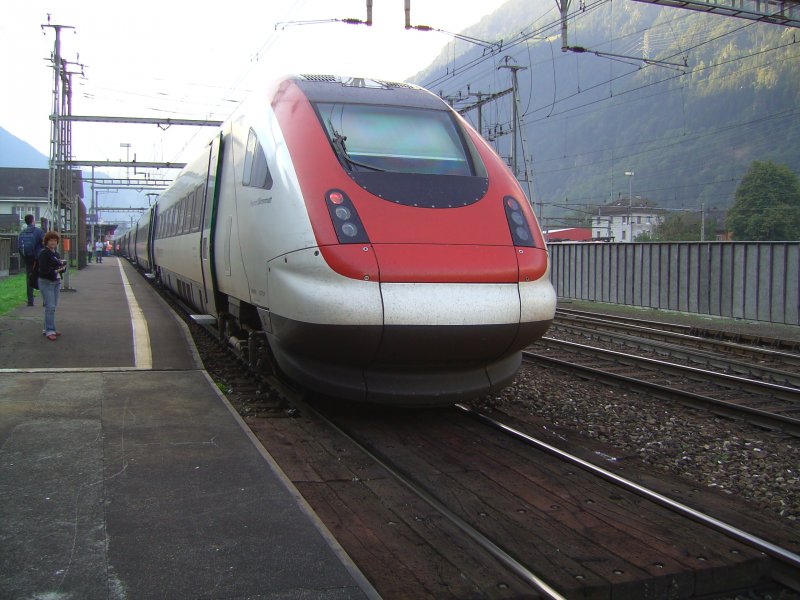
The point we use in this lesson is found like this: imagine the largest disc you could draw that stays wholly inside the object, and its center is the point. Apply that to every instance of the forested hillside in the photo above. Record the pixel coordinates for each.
(723, 93)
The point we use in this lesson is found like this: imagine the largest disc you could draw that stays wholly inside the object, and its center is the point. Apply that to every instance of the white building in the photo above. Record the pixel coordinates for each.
(621, 222)
(24, 192)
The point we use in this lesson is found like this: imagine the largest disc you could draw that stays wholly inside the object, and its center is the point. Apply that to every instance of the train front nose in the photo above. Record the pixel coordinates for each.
(422, 341)
(453, 324)
(441, 323)
(443, 343)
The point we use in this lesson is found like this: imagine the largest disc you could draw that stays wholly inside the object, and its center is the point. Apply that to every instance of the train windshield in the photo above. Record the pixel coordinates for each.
(369, 137)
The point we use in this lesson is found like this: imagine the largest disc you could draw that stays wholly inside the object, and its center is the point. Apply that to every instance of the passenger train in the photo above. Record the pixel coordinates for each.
(360, 237)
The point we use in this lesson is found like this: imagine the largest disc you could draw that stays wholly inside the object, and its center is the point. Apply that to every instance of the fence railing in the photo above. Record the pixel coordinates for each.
(758, 281)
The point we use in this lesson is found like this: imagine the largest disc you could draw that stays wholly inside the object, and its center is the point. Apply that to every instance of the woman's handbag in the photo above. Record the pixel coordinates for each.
(33, 278)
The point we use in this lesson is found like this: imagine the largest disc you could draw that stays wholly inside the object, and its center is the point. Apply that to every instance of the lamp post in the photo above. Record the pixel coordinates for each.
(127, 147)
(629, 174)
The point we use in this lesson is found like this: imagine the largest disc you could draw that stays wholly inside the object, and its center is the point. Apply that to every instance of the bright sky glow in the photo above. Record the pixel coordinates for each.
(197, 60)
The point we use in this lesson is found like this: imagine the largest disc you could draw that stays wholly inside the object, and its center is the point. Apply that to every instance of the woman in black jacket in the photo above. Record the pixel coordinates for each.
(50, 268)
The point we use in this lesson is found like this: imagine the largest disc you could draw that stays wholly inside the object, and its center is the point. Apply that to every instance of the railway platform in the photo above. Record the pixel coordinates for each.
(124, 473)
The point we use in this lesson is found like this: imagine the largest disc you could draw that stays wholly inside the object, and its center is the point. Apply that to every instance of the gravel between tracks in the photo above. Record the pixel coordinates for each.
(759, 466)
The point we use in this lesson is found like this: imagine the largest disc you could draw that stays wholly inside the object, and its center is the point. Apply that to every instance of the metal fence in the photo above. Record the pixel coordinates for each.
(758, 281)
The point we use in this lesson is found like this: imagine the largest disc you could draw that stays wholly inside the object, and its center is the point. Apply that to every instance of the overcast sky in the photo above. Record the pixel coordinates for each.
(197, 60)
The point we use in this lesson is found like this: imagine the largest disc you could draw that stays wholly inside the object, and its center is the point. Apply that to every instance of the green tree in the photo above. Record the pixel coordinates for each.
(677, 227)
(767, 205)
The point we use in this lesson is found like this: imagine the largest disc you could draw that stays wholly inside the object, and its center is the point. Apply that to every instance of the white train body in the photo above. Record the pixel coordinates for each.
(408, 277)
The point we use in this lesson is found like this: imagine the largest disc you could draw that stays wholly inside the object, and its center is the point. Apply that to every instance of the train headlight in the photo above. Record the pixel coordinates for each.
(517, 223)
(346, 222)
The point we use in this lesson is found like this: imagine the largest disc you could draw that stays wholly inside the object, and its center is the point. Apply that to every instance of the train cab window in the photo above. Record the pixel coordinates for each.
(407, 155)
(397, 139)
(256, 170)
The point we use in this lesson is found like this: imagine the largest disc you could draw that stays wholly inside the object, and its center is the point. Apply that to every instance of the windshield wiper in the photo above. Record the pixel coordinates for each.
(341, 150)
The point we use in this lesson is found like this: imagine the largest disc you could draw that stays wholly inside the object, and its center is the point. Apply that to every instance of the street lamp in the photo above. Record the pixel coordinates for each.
(630, 203)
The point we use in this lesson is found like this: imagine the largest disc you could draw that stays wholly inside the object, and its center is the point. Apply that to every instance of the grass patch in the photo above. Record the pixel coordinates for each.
(12, 292)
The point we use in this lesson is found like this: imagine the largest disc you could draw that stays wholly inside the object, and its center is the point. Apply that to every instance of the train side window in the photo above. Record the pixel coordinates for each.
(256, 169)
(184, 204)
(187, 218)
(187, 215)
(198, 208)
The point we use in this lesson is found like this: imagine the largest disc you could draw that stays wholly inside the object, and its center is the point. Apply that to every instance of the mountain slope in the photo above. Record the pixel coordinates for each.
(15, 152)
(688, 130)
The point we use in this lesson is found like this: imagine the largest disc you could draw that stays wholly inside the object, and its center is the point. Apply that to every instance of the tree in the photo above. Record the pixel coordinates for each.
(676, 227)
(767, 205)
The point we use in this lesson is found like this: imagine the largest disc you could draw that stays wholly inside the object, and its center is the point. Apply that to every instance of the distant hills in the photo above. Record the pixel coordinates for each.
(688, 131)
(17, 153)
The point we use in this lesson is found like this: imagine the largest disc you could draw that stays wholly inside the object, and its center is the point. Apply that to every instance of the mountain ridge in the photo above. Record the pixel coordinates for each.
(687, 133)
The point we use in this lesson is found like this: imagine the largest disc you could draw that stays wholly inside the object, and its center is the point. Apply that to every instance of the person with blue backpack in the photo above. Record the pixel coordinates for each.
(29, 244)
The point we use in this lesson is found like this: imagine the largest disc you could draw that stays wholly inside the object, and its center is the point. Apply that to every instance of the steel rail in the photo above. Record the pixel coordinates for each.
(762, 418)
(669, 332)
(692, 353)
(790, 394)
(786, 557)
(692, 330)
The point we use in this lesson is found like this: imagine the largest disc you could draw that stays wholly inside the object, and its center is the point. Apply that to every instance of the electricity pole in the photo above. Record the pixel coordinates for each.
(517, 127)
(57, 150)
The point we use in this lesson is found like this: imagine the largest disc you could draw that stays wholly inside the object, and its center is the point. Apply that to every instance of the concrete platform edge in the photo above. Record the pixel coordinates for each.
(329, 538)
(340, 552)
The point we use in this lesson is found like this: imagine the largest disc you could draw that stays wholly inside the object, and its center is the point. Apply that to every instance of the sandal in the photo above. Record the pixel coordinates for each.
(52, 337)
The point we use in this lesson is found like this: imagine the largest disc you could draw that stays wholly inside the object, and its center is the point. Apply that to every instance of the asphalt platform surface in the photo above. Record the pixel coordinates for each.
(124, 472)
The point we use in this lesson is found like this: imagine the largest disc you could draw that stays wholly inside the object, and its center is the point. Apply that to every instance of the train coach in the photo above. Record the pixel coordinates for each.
(360, 237)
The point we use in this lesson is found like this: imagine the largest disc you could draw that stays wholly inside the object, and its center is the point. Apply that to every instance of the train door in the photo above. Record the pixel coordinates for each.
(208, 297)
(151, 239)
(135, 252)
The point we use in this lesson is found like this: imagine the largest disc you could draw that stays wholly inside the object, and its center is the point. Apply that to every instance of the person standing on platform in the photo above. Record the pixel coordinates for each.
(50, 269)
(29, 244)
(89, 251)
(98, 251)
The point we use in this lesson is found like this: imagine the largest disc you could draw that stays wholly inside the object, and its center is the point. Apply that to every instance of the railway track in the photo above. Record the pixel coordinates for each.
(476, 514)
(681, 343)
(556, 522)
(736, 342)
(763, 404)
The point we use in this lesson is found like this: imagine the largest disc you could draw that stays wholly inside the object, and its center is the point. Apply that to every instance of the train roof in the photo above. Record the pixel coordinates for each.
(336, 88)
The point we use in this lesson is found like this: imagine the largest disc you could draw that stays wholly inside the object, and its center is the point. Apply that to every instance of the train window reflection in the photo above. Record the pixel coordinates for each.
(397, 139)
(256, 170)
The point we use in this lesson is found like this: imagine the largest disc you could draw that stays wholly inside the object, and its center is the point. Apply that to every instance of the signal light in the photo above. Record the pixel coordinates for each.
(346, 222)
(517, 223)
